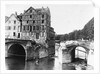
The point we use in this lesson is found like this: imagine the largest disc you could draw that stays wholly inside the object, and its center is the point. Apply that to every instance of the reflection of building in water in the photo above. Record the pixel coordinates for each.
(33, 24)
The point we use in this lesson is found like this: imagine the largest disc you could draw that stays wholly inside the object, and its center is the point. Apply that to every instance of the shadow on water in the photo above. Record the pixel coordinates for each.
(19, 63)
(42, 64)
(15, 63)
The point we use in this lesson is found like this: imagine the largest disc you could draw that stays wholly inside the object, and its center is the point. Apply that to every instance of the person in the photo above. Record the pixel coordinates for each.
(37, 61)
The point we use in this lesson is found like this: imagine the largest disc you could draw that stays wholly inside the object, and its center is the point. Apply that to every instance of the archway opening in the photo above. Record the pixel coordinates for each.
(79, 55)
(80, 52)
(16, 50)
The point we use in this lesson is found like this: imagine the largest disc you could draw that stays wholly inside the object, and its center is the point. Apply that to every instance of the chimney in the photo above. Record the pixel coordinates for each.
(15, 13)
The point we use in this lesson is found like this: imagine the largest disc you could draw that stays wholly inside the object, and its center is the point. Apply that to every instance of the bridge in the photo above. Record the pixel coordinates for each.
(19, 47)
(73, 49)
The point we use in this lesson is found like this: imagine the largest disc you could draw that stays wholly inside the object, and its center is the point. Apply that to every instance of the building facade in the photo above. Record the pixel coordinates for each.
(36, 25)
(12, 27)
(33, 24)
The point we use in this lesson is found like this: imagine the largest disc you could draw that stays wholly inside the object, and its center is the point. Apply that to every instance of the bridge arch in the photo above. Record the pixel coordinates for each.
(72, 49)
(81, 52)
(17, 49)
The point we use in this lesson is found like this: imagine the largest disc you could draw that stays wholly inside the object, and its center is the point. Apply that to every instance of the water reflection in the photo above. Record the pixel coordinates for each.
(21, 64)
(15, 63)
(48, 63)
(43, 64)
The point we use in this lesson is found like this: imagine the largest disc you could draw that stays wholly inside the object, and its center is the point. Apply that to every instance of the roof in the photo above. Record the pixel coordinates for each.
(38, 10)
(10, 17)
(6, 18)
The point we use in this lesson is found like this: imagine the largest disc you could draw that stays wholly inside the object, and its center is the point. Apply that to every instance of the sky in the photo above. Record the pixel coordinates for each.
(65, 18)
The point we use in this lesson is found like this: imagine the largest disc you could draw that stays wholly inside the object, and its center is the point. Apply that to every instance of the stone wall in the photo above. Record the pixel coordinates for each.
(66, 57)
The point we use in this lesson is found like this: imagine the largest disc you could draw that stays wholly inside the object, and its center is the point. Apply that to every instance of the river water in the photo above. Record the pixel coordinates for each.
(47, 63)
(42, 64)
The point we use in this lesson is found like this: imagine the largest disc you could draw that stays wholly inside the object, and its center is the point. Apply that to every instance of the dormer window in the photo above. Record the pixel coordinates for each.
(30, 11)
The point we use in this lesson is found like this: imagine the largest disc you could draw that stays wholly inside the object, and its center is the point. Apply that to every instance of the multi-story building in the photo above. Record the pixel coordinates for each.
(12, 26)
(36, 25)
(33, 24)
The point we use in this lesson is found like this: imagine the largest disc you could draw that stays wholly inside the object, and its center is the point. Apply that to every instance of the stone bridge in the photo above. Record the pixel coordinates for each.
(20, 47)
(69, 52)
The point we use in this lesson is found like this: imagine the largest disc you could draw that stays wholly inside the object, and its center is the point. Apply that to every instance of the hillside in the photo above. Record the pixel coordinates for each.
(87, 33)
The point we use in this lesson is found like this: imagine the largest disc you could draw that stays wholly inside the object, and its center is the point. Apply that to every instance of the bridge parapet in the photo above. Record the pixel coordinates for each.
(70, 47)
(9, 40)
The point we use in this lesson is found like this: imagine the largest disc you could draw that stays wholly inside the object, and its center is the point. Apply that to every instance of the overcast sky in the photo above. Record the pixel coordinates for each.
(64, 18)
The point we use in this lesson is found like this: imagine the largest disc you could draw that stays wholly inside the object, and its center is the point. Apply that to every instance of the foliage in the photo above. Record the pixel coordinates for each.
(87, 33)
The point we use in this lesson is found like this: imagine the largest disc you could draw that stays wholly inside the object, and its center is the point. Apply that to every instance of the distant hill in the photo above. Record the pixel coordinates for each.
(87, 33)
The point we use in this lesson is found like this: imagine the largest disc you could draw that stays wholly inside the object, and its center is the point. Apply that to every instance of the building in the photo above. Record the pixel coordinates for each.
(36, 25)
(33, 24)
(12, 27)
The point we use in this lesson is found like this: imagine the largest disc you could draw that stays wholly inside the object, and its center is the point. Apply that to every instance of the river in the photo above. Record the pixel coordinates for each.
(43, 64)
(47, 63)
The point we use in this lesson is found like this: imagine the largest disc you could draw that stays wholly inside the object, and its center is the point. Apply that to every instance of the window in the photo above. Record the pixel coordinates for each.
(14, 27)
(30, 16)
(37, 27)
(14, 21)
(14, 34)
(27, 22)
(37, 35)
(42, 27)
(42, 16)
(42, 21)
(30, 11)
(33, 27)
(18, 35)
(20, 17)
(30, 28)
(9, 27)
(18, 28)
(23, 28)
(33, 21)
(42, 34)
